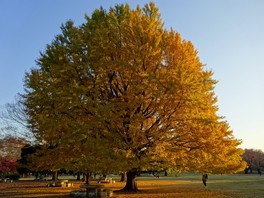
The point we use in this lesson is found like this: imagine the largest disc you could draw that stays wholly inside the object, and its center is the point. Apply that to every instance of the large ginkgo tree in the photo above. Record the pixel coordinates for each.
(122, 93)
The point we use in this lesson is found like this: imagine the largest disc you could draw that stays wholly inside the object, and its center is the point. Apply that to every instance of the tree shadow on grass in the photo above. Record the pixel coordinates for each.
(39, 190)
(35, 194)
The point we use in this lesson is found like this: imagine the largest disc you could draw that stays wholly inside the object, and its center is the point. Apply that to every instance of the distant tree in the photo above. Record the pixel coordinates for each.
(25, 163)
(7, 165)
(254, 159)
(11, 146)
(36, 158)
(122, 93)
(13, 120)
(10, 150)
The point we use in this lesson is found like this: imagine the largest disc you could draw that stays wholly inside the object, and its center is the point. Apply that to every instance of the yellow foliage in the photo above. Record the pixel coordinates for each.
(135, 91)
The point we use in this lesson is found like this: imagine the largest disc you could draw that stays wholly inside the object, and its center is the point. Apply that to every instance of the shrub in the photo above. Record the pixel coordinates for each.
(12, 176)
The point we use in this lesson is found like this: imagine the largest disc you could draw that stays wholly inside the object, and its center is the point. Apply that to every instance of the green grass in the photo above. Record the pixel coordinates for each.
(242, 185)
(245, 185)
(184, 185)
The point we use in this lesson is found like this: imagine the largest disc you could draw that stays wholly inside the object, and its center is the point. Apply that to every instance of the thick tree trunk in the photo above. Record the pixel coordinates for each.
(78, 176)
(123, 177)
(246, 170)
(55, 176)
(87, 178)
(131, 184)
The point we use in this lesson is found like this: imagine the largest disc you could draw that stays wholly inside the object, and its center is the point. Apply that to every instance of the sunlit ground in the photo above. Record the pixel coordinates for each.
(182, 186)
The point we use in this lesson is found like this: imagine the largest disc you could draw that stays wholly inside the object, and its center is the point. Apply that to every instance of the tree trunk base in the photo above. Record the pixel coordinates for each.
(123, 177)
(131, 185)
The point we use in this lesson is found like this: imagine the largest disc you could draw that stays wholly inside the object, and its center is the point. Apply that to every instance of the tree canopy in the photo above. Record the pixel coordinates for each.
(122, 90)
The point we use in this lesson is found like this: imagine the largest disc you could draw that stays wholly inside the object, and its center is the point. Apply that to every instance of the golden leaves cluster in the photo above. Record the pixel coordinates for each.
(135, 91)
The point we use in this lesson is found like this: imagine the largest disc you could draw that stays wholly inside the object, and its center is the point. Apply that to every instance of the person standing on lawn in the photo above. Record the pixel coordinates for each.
(204, 179)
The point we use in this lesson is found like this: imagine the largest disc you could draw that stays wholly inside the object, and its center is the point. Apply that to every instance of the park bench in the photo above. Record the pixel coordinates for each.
(92, 191)
(105, 180)
(66, 183)
(59, 183)
(40, 178)
(6, 180)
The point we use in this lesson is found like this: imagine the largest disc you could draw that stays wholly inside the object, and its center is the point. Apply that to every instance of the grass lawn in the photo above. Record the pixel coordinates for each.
(182, 186)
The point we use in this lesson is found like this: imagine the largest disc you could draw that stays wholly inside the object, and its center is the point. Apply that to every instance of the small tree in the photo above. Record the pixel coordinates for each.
(7, 165)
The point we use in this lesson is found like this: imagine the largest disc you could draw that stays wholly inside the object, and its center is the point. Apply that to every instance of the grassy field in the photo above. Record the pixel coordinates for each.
(181, 186)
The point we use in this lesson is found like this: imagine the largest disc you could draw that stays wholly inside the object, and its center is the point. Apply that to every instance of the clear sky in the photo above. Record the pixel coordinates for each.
(229, 35)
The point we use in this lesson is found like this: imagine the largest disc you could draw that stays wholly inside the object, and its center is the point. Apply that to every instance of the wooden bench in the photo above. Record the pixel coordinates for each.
(7, 180)
(66, 183)
(93, 191)
(59, 183)
(105, 180)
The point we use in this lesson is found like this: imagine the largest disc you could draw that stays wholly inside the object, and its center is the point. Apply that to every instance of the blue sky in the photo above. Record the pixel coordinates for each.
(229, 35)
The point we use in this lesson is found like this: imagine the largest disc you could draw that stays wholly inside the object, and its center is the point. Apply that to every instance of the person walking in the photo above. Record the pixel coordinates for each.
(204, 179)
